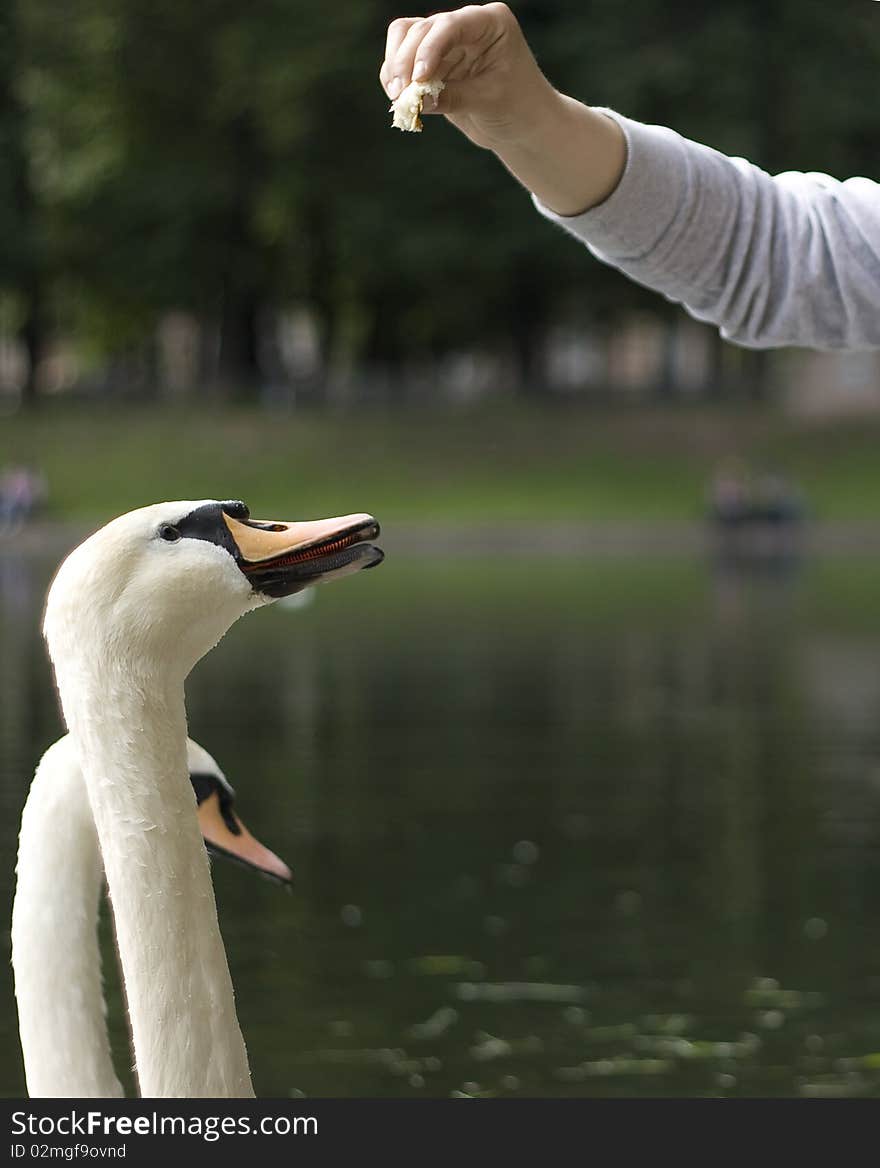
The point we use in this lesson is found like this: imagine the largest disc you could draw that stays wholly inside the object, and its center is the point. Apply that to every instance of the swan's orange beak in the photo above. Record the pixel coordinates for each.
(240, 845)
(280, 558)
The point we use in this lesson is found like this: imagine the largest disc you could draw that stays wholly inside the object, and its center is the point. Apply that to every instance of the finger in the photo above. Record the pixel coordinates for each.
(470, 30)
(458, 64)
(397, 30)
(402, 62)
(455, 66)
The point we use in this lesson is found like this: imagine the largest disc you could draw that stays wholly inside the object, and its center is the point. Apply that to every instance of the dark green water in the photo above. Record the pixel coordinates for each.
(558, 828)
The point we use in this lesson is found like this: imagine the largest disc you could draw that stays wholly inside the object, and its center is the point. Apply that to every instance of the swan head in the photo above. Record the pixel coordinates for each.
(221, 827)
(161, 585)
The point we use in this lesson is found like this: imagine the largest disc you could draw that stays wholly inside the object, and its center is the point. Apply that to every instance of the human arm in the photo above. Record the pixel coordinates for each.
(793, 259)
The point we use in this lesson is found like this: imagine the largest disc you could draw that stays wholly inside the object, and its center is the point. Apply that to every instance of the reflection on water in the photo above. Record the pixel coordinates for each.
(557, 827)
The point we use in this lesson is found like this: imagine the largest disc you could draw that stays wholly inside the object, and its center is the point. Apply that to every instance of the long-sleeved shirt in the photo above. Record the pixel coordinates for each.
(787, 260)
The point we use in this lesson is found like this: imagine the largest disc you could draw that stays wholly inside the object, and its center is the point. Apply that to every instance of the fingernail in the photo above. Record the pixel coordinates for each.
(394, 87)
(420, 71)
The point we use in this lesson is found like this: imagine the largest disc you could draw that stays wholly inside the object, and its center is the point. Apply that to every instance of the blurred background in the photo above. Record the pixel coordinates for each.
(581, 789)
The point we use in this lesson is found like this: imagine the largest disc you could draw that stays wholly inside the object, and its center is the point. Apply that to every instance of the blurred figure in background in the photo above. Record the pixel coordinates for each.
(772, 261)
(754, 516)
(23, 492)
(777, 501)
(728, 493)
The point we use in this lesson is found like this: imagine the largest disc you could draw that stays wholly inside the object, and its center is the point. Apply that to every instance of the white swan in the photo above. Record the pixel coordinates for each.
(55, 955)
(129, 614)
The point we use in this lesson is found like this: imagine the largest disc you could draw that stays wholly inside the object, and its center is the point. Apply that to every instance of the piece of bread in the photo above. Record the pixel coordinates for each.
(407, 108)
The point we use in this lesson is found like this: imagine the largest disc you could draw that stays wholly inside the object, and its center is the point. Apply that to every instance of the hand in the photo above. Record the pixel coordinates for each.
(570, 156)
(494, 91)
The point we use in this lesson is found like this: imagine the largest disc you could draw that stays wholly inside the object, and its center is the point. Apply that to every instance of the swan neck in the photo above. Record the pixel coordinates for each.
(55, 954)
(130, 732)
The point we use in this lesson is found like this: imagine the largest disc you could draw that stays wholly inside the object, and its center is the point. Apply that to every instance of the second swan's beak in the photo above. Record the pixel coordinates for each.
(226, 835)
(282, 558)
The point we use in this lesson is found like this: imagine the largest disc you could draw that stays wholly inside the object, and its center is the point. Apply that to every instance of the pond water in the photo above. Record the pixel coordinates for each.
(558, 826)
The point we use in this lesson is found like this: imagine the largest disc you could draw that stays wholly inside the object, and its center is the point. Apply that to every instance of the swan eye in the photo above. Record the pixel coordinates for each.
(169, 533)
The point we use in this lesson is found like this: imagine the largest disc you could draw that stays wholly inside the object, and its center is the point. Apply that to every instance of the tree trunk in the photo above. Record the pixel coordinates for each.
(32, 335)
(322, 290)
(759, 376)
(25, 271)
(238, 358)
(716, 374)
(667, 388)
(527, 316)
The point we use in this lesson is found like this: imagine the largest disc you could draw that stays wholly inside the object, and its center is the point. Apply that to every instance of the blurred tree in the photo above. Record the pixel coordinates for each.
(23, 271)
(231, 160)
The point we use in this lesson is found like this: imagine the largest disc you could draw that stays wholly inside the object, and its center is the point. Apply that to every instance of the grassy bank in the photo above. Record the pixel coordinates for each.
(471, 465)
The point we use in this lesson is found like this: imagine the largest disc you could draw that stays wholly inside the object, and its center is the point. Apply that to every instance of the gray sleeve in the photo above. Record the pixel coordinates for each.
(788, 260)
